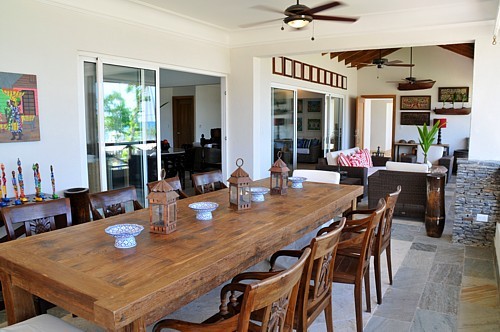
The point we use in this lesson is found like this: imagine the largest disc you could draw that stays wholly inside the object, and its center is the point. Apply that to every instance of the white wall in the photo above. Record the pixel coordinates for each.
(53, 38)
(448, 69)
(381, 129)
(207, 110)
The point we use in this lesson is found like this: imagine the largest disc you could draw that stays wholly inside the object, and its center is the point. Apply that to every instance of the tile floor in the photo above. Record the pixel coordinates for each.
(438, 286)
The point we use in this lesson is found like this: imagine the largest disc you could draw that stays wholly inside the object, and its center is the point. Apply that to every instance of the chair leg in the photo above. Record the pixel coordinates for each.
(378, 282)
(357, 305)
(367, 290)
(389, 262)
(329, 317)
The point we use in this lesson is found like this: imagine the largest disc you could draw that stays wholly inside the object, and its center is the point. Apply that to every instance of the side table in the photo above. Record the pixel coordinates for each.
(380, 160)
(435, 209)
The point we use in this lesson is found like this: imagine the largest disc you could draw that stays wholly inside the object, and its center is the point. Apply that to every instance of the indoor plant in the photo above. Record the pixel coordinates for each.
(427, 136)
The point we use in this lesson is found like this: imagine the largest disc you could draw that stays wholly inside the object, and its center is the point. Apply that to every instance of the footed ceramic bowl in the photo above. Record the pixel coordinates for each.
(297, 181)
(258, 193)
(203, 209)
(124, 234)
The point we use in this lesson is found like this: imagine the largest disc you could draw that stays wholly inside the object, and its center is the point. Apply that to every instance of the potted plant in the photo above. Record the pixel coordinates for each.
(427, 136)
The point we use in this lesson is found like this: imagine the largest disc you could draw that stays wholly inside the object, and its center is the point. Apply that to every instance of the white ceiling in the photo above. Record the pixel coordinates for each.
(230, 14)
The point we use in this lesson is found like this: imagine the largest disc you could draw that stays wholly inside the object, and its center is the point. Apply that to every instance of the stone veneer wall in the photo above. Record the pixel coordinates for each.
(477, 191)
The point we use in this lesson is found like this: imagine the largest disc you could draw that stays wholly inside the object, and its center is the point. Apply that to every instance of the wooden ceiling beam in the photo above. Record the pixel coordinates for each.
(345, 55)
(334, 54)
(466, 49)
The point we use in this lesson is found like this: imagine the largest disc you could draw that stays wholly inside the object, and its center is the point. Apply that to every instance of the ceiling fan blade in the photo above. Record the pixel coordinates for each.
(250, 25)
(394, 61)
(322, 7)
(424, 81)
(267, 9)
(335, 18)
(399, 64)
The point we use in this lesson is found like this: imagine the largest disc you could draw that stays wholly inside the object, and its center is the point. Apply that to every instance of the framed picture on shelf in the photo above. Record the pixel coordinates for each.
(314, 106)
(415, 118)
(415, 102)
(314, 124)
(459, 94)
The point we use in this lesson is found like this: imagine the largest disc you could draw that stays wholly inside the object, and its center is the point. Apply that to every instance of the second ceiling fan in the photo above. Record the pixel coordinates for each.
(411, 83)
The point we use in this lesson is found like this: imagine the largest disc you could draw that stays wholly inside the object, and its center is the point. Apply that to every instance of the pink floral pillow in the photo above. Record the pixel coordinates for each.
(344, 160)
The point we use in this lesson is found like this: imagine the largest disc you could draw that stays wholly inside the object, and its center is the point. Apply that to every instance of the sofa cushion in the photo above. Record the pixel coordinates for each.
(363, 158)
(332, 157)
(344, 160)
(406, 167)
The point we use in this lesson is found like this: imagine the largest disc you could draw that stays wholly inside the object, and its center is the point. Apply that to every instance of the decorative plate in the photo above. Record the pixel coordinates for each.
(203, 209)
(258, 193)
(297, 181)
(124, 234)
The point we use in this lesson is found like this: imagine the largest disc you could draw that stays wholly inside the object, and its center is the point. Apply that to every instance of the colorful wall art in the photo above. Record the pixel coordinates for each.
(19, 118)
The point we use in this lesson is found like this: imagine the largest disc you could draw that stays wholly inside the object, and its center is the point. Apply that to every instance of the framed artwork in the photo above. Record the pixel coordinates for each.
(460, 94)
(314, 106)
(299, 105)
(299, 124)
(314, 124)
(415, 118)
(19, 118)
(415, 102)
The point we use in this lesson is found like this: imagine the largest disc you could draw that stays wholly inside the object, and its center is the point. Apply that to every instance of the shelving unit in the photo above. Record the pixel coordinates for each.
(452, 111)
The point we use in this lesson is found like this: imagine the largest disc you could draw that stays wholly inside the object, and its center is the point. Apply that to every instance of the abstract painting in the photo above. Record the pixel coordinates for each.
(19, 118)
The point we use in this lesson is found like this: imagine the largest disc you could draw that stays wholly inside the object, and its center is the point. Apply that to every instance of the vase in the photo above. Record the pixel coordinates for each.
(435, 207)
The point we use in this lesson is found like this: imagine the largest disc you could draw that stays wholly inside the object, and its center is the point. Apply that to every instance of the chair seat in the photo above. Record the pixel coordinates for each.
(345, 268)
(42, 323)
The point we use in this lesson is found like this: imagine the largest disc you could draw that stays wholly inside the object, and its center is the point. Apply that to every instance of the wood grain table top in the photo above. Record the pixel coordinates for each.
(79, 269)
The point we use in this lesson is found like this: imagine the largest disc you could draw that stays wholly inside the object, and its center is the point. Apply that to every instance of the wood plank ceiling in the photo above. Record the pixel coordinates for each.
(365, 58)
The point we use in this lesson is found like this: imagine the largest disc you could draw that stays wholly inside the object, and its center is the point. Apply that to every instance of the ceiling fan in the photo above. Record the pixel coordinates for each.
(411, 83)
(381, 62)
(298, 16)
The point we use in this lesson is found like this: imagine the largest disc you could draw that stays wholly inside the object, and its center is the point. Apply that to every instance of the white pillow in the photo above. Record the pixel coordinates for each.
(406, 167)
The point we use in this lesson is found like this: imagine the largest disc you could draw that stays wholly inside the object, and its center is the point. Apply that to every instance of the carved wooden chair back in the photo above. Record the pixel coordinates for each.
(113, 202)
(274, 295)
(174, 182)
(353, 257)
(208, 182)
(383, 236)
(36, 218)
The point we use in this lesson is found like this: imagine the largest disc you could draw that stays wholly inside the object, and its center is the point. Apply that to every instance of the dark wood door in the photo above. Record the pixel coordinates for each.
(183, 119)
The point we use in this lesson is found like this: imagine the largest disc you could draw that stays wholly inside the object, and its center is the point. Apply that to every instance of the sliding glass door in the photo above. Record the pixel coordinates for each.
(334, 120)
(121, 126)
(283, 120)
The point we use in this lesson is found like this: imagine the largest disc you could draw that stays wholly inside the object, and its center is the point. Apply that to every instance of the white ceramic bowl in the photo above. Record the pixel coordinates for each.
(124, 234)
(203, 209)
(297, 181)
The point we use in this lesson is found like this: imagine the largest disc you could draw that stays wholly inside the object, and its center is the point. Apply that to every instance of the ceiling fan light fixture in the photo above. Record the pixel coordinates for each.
(298, 21)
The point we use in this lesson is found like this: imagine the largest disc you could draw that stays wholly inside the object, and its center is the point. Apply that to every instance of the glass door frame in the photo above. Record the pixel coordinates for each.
(100, 60)
(328, 100)
(329, 113)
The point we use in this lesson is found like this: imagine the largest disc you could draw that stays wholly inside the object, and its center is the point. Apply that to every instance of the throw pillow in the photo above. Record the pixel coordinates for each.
(343, 160)
(356, 160)
(307, 143)
(364, 158)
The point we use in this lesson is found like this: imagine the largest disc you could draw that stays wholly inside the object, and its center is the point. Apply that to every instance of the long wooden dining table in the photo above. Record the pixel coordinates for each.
(79, 269)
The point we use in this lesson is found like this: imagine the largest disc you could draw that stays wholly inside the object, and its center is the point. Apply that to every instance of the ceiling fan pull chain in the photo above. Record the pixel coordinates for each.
(494, 40)
(312, 38)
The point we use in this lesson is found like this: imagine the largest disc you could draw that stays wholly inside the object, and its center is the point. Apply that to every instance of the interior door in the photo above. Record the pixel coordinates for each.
(360, 121)
(183, 120)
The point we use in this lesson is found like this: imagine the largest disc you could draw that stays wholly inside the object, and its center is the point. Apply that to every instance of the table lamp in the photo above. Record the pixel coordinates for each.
(442, 124)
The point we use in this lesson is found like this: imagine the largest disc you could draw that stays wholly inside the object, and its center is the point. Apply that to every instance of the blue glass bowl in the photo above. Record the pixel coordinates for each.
(124, 234)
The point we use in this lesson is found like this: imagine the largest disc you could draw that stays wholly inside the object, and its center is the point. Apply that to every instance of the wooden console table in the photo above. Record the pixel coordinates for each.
(397, 146)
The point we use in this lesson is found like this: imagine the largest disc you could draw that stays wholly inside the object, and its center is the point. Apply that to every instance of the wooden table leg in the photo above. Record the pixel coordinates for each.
(354, 204)
(19, 303)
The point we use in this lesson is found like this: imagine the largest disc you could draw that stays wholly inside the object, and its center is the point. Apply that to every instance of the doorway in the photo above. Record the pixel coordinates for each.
(375, 123)
(183, 120)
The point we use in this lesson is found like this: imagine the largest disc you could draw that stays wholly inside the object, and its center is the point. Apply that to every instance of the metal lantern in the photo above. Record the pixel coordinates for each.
(162, 208)
(279, 177)
(240, 197)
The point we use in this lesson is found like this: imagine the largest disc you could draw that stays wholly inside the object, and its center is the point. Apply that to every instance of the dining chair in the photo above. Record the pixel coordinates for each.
(318, 176)
(352, 263)
(113, 202)
(315, 292)
(32, 219)
(275, 294)
(174, 182)
(208, 181)
(382, 237)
